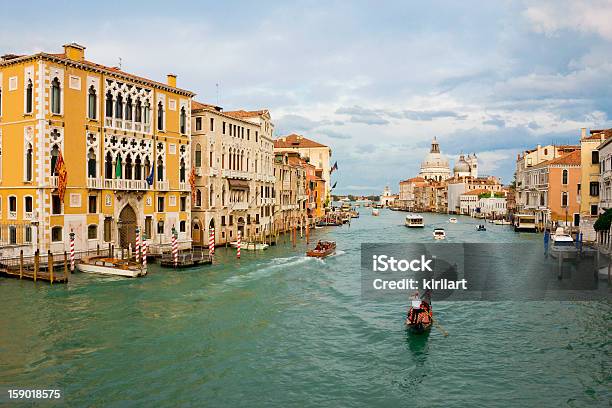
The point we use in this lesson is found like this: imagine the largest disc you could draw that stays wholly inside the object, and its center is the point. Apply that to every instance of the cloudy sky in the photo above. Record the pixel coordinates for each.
(374, 80)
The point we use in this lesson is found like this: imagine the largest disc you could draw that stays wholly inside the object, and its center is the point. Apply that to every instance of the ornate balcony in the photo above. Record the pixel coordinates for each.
(95, 183)
(237, 174)
(184, 186)
(240, 206)
(119, 184)
(162, 185)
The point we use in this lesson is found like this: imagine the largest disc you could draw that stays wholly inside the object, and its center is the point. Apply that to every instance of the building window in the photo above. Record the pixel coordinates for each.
(29, 162)
(128, 167)
(56, 234)
(92, 205)
(160, 227)
(29, 97)
(137, 168)
(183, 204)
(198, 202)
(595, 157)
(54, 156)
(223, 130)
(594, 209)
(183, 121)
(182, 226)
(223, 220)
(28, 234)
(109, 104)
(91, 164)
(56, 204)
(198, 155)
(12, 204)
(108, 166)
(28, 205)
(564, 199)
(55, 96)
(212, 124)
(92, 231)
(138, 111)
(198, 124)
(93, 103)
(128, 109)
(160, 204)
(594, 188)
(119, 107)
(160, 169)
(564, 176)
(182, 171)
(160, 116)
(148, 226)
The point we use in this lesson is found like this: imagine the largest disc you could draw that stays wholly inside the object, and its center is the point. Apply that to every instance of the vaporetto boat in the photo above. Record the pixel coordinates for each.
(414, 221)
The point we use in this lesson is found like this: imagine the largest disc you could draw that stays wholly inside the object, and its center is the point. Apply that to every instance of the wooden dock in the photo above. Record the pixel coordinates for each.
(44, 268)
(186, 259)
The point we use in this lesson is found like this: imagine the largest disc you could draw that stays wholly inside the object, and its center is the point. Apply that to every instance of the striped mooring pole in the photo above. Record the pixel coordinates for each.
(137, 244)
(72, 251)
(174, 247)
(239, 243)
(211, 242)
(144, 252)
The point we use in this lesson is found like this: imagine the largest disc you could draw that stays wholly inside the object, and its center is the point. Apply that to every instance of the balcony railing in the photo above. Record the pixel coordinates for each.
(127, 125)
(240, 206)
(119, 184)
(53, 181)
(162, 185)
(93, 182)
(236, 174)
(184, 186)
(213, 172)
(12, 215)
(28, 215)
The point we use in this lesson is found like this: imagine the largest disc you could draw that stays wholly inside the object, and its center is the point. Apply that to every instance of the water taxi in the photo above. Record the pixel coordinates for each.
(414, 221)
(439, 233)
(452, 220)
(323, 249)
(562, 245)
(103, 265)
(524, 222)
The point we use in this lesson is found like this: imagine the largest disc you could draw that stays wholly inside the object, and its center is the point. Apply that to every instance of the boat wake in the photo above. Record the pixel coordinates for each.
(268, 269)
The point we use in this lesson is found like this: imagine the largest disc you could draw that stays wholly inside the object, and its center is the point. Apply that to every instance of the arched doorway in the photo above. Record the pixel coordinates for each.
(197, 234)
(241, 226)
(127, 227)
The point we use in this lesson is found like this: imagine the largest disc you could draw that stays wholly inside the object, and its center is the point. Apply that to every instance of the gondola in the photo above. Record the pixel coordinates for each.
(423, 321)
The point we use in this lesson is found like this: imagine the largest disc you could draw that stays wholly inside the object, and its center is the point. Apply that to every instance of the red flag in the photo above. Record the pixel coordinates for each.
(62, 176)
(192, 180)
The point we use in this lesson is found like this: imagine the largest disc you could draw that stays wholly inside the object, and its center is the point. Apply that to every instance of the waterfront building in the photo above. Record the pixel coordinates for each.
(590, 180)
(234, 174)
(317, 154)
(492, 205)
(434, 166)
(525, 161)
(605, 176)
(552, 190)
(290, 188)
(387, 198)
(124, 141)
(466, 166)
(458, 186)
(406, 199)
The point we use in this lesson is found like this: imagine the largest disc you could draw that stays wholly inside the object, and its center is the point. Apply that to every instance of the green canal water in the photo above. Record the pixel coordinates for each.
(278, 329)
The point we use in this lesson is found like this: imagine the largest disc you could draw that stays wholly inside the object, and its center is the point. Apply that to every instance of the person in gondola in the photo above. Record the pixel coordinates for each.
(415, 309)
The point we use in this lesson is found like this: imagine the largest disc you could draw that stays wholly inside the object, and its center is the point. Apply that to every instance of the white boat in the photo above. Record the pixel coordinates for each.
(103, 265)
(524, 222)
(414, 221)
(498, 222)
(250, 246)
(439, 233)
(452, 220)
(375, 212)
(562, 245)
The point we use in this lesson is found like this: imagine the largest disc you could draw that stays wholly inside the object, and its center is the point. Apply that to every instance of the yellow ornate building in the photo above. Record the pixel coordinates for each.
(125, 141)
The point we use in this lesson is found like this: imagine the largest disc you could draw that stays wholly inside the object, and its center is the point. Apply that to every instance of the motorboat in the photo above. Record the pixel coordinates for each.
(414, 221)
(375, 212)
(524, 222)
(323, 249)
(452, 220)
(439, 233)
(250, 246)
(562, 244)
(481, 227)
(103, 265)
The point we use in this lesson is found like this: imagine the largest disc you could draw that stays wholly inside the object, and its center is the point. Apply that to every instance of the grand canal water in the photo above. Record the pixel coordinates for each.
(277, 329)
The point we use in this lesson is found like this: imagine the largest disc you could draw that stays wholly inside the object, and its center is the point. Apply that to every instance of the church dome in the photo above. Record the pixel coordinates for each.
(461, 166)
(434, 158)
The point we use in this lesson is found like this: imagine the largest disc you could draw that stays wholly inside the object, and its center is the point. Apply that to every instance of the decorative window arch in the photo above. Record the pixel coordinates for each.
(138, 111)
(160, 116)
(108, 166)
(54, 156)
(565, 176)
(182, 170)
(29, 162)
(128, 109)
(92, 163)
(564, 199)
(56, 95)
(92, 231)
(160, 168)
(29, 97)
(183, 121)
(138, 168)
(92, 101)
(198, 155)
(128, 167)
(119, 107)
(109, 104)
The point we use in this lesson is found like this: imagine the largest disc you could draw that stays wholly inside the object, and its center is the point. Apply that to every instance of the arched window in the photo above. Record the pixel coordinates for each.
(92, 231)
(160, 169)
(147, 167)
(55, 96)
(138, 169)
(564, 176)
(119, 107)
(138, 113)
(56, 234)
(54, 155)
(29, 163)
(146, 114)
(119, 168)
(128, 108)
(29, 96)
(198, 155)
(182, 171)
(108, 166)
(128, 167)
(564, 199)
(109, 104)
(160, 116)
(183, 121)
(91, 163)
(198, 202)
(211, 196)
(93, 103)
(223, 196)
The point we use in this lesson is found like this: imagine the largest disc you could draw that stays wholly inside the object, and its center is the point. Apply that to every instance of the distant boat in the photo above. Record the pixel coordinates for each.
(524, 222)
(439, 233)
(481, 227)
(452, 220)
(250, 246)
(562, 245)
(103, 265)
(414, 221)
(375, 212)
(323, 249)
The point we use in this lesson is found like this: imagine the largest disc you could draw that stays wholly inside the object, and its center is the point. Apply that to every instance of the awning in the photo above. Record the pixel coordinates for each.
(236, 184)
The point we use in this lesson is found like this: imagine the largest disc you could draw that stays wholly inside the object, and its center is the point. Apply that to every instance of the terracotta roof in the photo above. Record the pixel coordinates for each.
(478, 191)
(295, 141)
(413, 180)
(199, 105)
(246, 114)
(571, 159)
(597, 134)
(94, 65)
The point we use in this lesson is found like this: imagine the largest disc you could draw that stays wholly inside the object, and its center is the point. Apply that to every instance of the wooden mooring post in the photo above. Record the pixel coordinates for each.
(50, 265)
(36, 264)
(21, 264)
(66, 269)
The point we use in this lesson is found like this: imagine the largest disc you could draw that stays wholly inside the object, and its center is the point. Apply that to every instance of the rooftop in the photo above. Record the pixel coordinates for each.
(295, 141)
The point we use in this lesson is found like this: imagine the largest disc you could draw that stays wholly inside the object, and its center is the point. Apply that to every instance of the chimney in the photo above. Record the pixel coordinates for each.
(74, 51)
(582, 133)
(171, 80)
